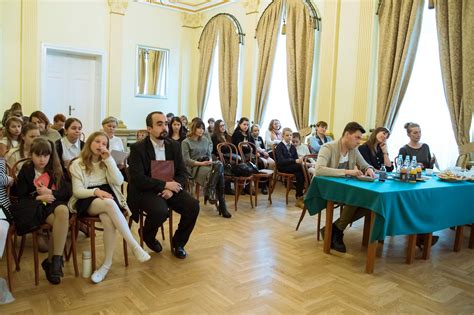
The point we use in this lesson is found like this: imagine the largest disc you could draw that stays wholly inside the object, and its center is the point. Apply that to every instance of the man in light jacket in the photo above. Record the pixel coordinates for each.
(338, 159)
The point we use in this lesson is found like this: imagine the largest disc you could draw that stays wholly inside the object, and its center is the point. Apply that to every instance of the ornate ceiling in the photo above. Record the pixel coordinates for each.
(189, 6)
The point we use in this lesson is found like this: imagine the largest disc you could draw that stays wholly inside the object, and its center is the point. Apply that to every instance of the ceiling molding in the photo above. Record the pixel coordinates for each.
(187, 6)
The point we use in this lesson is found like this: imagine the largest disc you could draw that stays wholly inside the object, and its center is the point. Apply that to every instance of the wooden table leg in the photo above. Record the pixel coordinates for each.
(328, 227)
(366, 232)
(471, 238)
(458, 238)
(427, 246)
(372, 247)
(411, 249)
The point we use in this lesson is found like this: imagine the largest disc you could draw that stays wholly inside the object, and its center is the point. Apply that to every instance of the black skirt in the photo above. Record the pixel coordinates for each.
(83, 204)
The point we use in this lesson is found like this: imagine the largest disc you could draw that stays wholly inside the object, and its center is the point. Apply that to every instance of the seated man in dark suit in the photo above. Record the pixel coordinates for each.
(287, 161)
(154, 196)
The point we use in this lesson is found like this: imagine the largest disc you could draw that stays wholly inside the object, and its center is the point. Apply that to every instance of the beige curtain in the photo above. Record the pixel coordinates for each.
(206, 49)
(153, 71)
(300, 55)
(399, 29)
(141, 71)
(229, 50)
(267, 34)
(455, 23)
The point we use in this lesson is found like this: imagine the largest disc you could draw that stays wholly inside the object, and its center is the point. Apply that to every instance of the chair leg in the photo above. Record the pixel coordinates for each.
(20, 253)
(427, 246)
(125, 253)
(9, 245)
(366, 231)
(92, 237)
(238, 189)
(170, 228)
(74, 248)
(250, 183)
(35, 255)
(288, 187)
(255, 183)
(162, 232)
(270, 190)
(301, 219)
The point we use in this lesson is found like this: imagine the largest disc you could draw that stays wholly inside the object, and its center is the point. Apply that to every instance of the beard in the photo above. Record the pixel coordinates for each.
(163, 135)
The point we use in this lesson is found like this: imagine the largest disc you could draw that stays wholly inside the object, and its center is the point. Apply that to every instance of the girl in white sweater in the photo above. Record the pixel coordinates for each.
(96, 182)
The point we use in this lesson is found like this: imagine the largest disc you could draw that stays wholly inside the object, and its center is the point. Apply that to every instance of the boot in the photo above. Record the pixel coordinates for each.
(337, 242)
(47, 267)
(210, 192)
(222, 207)
(56, 269)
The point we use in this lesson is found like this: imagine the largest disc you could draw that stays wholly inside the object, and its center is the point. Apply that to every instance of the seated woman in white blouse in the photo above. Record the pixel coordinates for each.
(70, 146)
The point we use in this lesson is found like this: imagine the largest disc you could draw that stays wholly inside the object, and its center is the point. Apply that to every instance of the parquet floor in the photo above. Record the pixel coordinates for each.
(257, 263)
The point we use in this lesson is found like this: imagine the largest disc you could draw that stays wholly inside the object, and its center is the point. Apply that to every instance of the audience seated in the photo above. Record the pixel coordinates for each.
(341, 158)
(287, 161)
(58, 123)
(14, 110)
(273, 134)
(155, 196)
(96, 186)
(241, 133)
(197, 152)
(210, 127)
(39, 118)
(177, 130)
(11, 135)
(29, 132)
(265, 161)
(319, 138)
(70, 146)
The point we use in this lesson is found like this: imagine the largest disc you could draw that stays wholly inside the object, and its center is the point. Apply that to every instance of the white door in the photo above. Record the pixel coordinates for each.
(71, 86)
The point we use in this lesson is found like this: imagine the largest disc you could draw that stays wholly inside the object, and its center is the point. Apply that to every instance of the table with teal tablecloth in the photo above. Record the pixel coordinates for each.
(400, 208)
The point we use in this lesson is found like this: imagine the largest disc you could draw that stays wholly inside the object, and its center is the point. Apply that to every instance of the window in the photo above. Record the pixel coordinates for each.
(213, 106)
(278, 106)
(425, 102)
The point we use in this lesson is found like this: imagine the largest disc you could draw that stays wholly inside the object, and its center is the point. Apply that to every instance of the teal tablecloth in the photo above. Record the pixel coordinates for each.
(401, 208)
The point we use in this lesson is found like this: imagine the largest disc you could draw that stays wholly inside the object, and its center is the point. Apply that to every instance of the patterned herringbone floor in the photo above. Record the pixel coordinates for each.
(257, 262)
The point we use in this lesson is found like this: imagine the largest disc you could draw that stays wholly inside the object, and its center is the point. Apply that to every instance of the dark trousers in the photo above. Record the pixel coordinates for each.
(156, 209)
(298, 171)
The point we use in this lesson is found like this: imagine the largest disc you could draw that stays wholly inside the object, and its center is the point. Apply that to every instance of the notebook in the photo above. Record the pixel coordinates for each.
(162, 170)
(119, 156)
(43, 180)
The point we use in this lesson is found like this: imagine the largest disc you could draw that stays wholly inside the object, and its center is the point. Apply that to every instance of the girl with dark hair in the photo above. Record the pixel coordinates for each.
(39, 119)
(96, 186)
(42, 179)
(196, 150)
(29, 132)
(12, 135)
(219, 135)
(177, 130)
(375, 151)
(241, 133)
(70, 146)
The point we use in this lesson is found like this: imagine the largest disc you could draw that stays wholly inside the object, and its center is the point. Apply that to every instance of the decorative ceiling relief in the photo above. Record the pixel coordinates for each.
(189, 6)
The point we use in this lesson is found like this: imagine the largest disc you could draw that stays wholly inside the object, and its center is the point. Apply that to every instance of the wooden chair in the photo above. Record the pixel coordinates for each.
(141, 219)
(287, 177)
(307, 180)
(230, 157)
(465, 153)
(265, 178)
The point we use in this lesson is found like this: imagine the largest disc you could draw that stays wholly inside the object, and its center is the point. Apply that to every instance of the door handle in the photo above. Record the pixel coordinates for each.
(71, 109)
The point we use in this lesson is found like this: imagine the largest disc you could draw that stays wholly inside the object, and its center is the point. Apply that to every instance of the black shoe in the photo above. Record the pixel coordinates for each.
(179, 252)
(420, 240)
(264, 190)
(47, 270)
(154, 245)
(337, 240)
(56, 267)
(223, 211)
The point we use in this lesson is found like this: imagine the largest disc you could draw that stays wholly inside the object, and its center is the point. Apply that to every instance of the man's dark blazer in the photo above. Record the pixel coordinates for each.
(140, 180)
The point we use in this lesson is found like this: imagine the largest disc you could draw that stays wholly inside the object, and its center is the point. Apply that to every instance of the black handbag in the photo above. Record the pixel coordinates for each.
(244, 169)
(27, 215)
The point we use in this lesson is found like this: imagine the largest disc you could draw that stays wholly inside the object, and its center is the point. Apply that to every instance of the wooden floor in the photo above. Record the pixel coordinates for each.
(257, 262)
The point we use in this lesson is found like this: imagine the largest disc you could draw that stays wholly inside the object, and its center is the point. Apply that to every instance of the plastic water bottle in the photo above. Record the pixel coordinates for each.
(399, 163)
(412, 172)
(382, 173)
(86, 264)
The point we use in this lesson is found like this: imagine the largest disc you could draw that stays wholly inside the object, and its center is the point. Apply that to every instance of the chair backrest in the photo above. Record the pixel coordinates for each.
(253, 156)
(305, 165)
(228, 153)
(69, 167)
(17, 167)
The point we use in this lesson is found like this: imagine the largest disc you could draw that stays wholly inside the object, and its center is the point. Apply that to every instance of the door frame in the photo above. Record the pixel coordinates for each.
(99, 55)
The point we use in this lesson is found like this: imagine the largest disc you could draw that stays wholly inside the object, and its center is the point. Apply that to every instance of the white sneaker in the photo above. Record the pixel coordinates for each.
(140, 254)
(99, 275)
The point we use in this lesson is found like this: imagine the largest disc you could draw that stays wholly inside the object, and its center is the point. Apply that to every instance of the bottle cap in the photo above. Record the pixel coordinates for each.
(86, 254)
